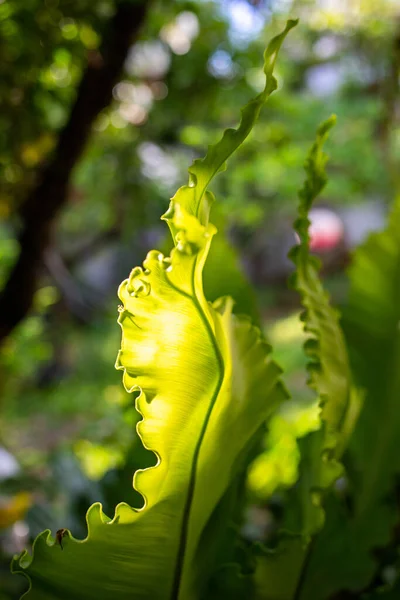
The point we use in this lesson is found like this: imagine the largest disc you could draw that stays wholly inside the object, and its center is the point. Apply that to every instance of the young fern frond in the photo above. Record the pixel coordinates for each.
(330, 377)
(329, 368)
(351, 537)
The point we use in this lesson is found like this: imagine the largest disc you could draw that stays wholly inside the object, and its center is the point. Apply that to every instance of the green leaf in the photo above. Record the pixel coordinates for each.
(330, 377)
(205, 384)
(154, 552)
(371, 323)
(329, 368)
(279, 571)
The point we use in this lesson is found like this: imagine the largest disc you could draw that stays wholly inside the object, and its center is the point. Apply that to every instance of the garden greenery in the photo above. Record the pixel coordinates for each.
(205, 385)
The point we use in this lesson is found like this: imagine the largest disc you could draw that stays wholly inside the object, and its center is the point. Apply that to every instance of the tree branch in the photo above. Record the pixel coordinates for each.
(50, 195)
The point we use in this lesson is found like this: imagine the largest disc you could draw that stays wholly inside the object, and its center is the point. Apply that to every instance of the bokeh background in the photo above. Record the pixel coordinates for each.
(104, 104)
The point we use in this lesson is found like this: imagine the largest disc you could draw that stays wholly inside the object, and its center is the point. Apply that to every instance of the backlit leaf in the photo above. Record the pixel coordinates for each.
(205, 384)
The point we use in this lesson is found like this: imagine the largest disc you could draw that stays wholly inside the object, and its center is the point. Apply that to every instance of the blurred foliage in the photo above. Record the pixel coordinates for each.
(195, 63)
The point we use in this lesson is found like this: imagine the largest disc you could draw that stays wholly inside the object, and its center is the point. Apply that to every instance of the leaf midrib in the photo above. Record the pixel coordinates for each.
(192, 480)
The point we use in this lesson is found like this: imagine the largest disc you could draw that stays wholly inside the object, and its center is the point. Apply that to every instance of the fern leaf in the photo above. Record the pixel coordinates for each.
(330, 377)
(205, 384)
(329, 368)
(371, 324)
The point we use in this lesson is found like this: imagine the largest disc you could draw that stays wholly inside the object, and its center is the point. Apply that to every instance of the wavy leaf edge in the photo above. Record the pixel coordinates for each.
(232, 138)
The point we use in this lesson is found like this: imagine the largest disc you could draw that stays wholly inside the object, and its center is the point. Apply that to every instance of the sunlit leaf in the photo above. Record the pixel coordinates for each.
(205, 384)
